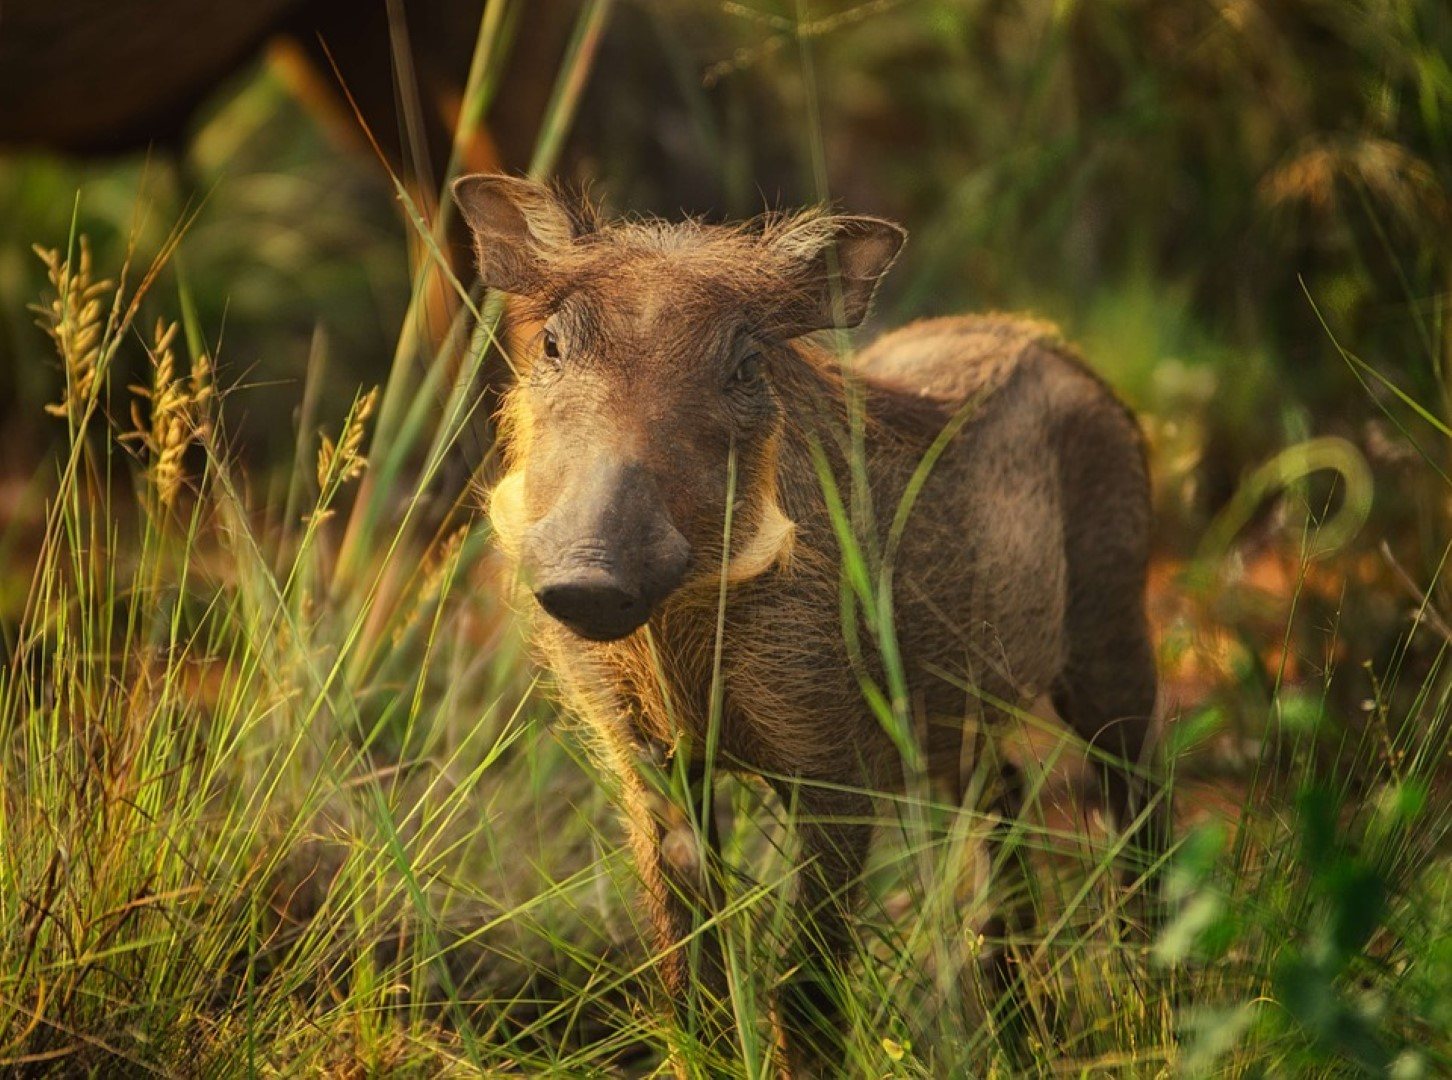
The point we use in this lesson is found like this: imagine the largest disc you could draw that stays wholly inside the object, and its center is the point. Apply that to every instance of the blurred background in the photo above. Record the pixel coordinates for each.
(1240, 210)
(1191, 187)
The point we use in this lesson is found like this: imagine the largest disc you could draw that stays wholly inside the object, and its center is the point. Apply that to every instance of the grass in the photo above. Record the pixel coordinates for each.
(280, 791)
(253, 823)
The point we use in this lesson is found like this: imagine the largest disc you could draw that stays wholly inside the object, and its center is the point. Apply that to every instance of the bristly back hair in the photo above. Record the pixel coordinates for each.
(783, 235)
(759, 262)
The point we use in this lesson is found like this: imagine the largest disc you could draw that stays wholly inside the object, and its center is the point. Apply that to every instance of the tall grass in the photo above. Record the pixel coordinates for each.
(252, 827)
(280, 791)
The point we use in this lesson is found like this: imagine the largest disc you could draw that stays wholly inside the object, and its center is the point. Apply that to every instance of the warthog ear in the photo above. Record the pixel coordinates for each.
(836, 261)
(518, 226)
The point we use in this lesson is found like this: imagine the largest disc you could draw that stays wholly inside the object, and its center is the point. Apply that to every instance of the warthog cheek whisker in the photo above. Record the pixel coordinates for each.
(769, 547)
(506, 512)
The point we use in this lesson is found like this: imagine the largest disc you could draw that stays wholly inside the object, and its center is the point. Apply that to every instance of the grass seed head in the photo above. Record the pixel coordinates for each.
(344, 460)
(178, 412)
(73, 318)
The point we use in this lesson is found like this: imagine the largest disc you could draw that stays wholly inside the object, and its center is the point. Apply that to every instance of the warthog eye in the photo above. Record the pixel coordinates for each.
(551, 346)
(749, 370)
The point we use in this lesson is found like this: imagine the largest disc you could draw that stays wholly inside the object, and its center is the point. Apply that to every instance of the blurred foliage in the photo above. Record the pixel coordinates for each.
(1239, 210)
(1172, 180)
(1348, 937)
(285, 232)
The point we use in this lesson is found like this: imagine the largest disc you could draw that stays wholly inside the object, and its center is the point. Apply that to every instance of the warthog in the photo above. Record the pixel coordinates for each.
(670, 381)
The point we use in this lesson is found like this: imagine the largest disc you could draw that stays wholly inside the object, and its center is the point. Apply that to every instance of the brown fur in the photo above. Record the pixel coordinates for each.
(1021, 570)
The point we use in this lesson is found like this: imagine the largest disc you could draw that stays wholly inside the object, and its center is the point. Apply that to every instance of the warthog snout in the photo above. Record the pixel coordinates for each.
(606, 554)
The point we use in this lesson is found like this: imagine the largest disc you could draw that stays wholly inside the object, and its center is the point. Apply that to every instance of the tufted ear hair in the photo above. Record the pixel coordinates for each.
(835, 263)
(518, 225)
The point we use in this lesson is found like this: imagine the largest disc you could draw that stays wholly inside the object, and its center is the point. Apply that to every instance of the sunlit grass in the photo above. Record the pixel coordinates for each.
(252, 821)
(281, 792)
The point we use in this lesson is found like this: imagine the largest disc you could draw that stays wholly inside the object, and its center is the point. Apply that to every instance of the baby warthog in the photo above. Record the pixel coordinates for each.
(687, 474)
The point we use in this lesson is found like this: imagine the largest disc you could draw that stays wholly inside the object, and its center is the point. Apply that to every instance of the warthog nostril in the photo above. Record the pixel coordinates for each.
(593, 605)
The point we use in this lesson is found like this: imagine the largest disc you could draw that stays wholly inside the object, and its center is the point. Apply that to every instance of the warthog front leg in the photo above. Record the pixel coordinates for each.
(835, 833)
(675, 838)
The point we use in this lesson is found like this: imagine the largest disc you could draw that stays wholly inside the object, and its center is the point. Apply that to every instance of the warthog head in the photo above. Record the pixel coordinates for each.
(651, 369)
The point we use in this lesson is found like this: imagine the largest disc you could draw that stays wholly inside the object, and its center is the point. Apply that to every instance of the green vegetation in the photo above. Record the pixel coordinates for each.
(280, 791)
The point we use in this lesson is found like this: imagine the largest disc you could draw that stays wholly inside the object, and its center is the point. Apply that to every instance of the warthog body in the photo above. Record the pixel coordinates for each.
(671, 368)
